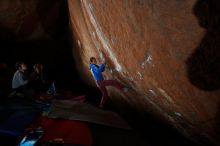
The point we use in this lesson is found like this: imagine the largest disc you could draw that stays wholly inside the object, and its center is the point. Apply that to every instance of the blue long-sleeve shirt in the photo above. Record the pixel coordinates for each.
(97, 71)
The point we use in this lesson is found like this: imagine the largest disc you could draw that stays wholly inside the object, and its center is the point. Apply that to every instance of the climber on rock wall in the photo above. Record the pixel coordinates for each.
(101, 82)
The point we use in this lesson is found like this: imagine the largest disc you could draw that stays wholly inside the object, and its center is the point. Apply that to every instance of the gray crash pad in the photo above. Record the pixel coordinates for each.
(74, 110)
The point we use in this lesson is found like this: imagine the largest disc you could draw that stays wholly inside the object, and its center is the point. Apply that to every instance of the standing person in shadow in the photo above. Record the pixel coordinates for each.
(101, 82)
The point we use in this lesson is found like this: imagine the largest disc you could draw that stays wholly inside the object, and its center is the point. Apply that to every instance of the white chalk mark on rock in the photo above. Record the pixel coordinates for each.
(90, 6)
(79, 43)
(148, 60)
(164, 93)
(152, 92)
(101, 56)
(140, 75)
(93, 34)
(178, 114)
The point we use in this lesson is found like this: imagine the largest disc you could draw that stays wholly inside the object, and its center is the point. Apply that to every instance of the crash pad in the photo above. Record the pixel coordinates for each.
(64, 131)
(16, 122)
(74, 110)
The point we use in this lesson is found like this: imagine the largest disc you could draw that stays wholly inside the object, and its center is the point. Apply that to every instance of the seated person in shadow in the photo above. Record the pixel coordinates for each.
(20, 79)
(28, 86)
(36, 81)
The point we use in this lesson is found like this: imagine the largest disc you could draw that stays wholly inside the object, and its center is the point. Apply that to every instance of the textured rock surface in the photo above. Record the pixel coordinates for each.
(165, 51)
(29, 20)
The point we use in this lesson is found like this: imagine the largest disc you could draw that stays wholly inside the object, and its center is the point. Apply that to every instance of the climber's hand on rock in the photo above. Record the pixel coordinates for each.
(103, 61)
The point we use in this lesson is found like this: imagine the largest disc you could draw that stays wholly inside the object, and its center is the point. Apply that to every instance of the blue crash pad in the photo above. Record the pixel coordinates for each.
(16, 123)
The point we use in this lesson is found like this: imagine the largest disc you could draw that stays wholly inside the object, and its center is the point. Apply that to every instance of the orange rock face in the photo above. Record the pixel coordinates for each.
(165, 51)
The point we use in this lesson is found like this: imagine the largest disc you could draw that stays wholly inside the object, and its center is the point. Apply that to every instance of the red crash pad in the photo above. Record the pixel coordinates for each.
(66, 131)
